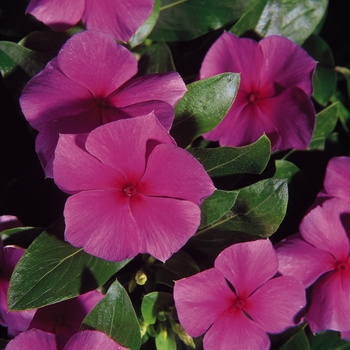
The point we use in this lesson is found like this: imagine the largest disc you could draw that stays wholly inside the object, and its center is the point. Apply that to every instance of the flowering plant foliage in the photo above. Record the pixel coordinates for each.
(155, 156)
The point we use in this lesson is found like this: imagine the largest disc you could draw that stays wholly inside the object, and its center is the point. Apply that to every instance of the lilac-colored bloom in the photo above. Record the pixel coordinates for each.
(65, 317)
(119, 19)
(319, 255)
(91, 82)
(36, 339)
(15, 321)
(241, 315)
(274, 93)
(9, 221)
(134, 191)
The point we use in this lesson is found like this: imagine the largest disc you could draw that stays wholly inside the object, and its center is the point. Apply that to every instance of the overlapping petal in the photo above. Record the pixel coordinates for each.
(33, 339)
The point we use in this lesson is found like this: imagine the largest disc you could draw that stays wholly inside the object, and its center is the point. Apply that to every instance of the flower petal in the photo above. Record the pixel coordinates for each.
(119, 19)
(324, 228)
(337, 173)
(233, 330)
(80, 56)
(181, 176)
(87, 340)
(248, 265)
(162, 235)
(286, 64)
(275, 305)
(57, 14)
(200, 299)
(100, 221)
(330, 302)
(12, 256)
(75, 169)
(125, 144)
(33, 339)
(303, 261)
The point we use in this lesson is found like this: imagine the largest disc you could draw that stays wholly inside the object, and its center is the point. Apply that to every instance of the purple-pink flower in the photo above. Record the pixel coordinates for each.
(319, 256)
(134, 191)
(274, 93)
(65, 318)
(36, 339)
(119, 19)
(91, 82)
(237, 302)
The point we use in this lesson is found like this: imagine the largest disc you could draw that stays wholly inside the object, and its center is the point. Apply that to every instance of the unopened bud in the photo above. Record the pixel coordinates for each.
(140, 278)
(181, 333)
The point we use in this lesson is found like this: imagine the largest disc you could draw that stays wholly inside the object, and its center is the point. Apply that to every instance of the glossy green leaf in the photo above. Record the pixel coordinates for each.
(146, 28)
(165, 340)
(294, 19)
(203, 106)
(216, 206)
(259, 209)
(115, 316)
(328, 340)
(21, 236)
(250, 18)
(18, 65)
(221, 161)
(346, 73)
(52, 270)
(178, 266)
(154, 303)
(188, 19)
(325, 77)
(298, 342)
(285, 170)
(325, 124)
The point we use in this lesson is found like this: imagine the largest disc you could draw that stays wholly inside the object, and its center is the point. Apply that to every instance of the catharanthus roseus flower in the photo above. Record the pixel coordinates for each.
(65, 317)
(16, 321)
(83, 340)
(134, 191)
(9, 221)
(274, 93)
(119, 18)
(319, 256)
(238, 302)
(91, 83)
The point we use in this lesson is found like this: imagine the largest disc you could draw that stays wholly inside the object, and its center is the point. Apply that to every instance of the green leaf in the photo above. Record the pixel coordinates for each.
(186, 20)
(203, 106)
(52, 270)
(21, 236)
(328, 340)
(325, 77)
(294, 19)
(344, 113)
(259, 209)
(216, 206)
(326, 121)
(346, 73)
(115, 316)
(154, 303)
(221, 161)
(165, 340)
(298, 342)
(250, 18)
(285, 170)
(146, 28)
(19, 64)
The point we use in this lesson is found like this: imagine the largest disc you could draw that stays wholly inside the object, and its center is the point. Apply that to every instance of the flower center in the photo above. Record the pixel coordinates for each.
(129, 190)
(341, 266)
(253, 98)
(101, 102)
(239, 304)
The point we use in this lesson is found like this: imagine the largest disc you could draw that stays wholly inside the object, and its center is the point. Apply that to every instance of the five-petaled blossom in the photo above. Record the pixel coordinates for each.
(274, 93)
(91, 83)
(134, 191)
(319, 256)
(119, 19)
(237, 302)
(83, 340)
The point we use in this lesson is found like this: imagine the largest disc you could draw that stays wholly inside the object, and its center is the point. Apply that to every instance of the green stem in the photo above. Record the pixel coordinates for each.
(172, 4)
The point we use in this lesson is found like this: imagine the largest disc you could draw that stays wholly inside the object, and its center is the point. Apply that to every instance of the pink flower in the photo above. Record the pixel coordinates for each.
(274, 93)
(134, 191)
(9, 221)
(35, 339)
(238, 301)
(319, 256)
(15, 321)
(91, 83)
(119, 19)
(65, 318)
